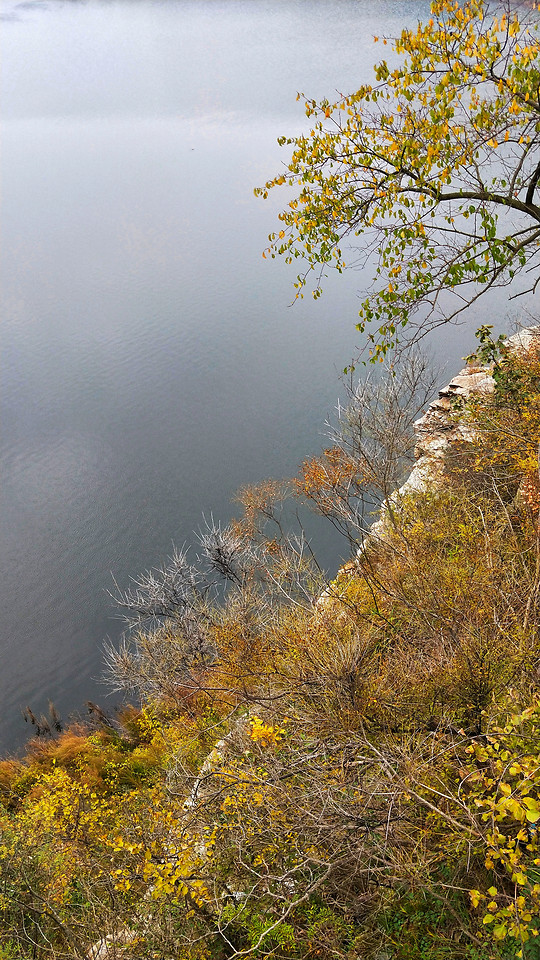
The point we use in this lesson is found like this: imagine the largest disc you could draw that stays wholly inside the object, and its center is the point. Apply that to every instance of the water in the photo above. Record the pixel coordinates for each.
(151, 364)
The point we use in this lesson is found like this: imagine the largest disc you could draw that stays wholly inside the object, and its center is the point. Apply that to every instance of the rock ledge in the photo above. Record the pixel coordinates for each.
(438, 429)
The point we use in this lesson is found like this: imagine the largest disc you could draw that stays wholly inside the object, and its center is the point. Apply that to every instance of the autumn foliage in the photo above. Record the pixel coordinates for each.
(427, 176)
(345, 769)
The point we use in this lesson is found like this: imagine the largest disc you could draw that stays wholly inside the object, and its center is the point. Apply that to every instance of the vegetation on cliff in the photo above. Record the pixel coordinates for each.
(353, 775)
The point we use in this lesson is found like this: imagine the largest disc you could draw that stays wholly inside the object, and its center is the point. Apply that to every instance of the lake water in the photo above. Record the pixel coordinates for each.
(151, 363)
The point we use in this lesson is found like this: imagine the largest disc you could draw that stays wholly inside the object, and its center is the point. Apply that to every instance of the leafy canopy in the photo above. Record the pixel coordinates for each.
(435, 166)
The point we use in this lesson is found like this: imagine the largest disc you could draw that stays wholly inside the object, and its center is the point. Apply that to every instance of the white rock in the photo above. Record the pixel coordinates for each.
(439, 429)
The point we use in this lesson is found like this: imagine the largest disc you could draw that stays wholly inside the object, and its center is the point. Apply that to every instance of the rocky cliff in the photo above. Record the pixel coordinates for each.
(439, 429)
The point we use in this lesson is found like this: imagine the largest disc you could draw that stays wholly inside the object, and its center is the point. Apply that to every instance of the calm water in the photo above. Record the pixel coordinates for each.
(150, 361)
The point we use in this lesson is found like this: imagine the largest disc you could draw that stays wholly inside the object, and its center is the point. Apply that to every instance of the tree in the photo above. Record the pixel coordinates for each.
(435, 167)
(372, 449)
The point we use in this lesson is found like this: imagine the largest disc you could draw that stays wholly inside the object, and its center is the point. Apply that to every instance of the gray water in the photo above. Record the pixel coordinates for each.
(151, 363)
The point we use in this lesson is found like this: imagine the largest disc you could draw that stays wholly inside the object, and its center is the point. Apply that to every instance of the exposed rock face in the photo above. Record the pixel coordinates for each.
(110, 947)
(439, 429)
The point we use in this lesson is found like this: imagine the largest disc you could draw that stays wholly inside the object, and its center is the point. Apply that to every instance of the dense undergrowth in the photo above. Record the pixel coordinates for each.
(346, 770)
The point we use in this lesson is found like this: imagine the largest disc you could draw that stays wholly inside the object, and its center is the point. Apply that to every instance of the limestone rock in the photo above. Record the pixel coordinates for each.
(439, 428)
(110, 947)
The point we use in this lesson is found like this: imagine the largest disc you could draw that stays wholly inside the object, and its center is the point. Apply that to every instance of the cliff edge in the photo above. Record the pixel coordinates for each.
(439, 430)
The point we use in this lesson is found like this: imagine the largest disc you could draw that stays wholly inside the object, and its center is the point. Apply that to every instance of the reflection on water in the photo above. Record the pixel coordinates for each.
(150, 362)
